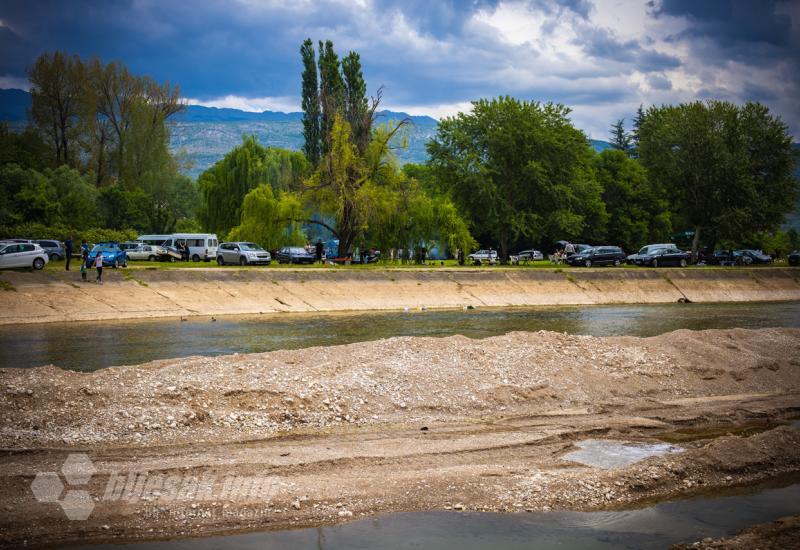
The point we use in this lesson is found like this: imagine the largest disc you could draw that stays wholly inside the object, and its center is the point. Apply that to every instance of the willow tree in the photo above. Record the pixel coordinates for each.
(224, 185)
(267, 218)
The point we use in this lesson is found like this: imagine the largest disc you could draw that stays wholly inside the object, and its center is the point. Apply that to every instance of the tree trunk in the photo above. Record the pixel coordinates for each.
(503, 250)
(695, 243)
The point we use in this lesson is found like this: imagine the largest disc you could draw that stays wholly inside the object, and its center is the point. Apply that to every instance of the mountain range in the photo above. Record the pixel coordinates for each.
(203, 135)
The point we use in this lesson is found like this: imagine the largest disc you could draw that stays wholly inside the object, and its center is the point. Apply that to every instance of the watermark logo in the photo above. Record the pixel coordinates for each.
(138, 487)
(77, 470)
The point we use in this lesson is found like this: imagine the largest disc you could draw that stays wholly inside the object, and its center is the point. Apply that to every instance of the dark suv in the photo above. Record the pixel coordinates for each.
(598, 255)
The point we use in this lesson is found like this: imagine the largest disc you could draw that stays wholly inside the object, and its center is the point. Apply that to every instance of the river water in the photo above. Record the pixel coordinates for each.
(88, 346)
(654, 527)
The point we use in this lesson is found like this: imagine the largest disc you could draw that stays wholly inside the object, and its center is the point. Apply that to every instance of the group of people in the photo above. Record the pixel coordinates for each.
(97, 263)
(561, 254)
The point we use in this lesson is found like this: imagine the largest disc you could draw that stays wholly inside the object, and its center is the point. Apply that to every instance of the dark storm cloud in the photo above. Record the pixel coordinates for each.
(600, 43)
(425, 52)
(750, 31)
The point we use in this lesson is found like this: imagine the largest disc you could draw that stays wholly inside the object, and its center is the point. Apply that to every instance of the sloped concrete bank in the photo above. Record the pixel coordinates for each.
(34, 297)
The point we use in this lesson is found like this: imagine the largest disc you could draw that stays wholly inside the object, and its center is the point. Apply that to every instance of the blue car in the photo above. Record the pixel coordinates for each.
(113, 255)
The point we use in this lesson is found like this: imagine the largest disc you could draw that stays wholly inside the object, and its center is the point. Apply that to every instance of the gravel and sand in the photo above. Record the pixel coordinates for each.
(402, 424)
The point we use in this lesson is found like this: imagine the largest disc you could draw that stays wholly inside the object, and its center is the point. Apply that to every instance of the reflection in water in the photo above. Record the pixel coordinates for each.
(655, 527)
(93, 345)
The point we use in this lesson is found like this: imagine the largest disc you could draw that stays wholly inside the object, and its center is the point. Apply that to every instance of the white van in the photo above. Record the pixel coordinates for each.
(202, 246)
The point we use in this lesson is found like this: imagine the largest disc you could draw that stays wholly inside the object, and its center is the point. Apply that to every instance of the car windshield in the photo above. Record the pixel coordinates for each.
(104, 248)
(297, 250)
(250, 246)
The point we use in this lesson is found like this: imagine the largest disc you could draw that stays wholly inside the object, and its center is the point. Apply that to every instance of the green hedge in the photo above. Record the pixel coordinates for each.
(60, 232)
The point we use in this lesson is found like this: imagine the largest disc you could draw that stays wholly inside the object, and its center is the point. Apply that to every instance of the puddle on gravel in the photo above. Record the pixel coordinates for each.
(608, 454)
(653, 527)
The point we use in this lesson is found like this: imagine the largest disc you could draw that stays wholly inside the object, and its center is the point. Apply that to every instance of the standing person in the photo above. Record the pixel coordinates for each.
(98, 263)
(84, 260)
(68, 250)
(318, 249)
(569, 249)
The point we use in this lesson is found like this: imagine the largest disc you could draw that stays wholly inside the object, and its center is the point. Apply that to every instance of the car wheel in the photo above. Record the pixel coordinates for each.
(655, 263)
(242, 261)
(53, 257)
(151, 258)
(588, 263)
(38, 263)
(116, 263)
(220, 261)
(125, 262)
(172, 259)
(195, 258)
(683, 262)
(616, 263)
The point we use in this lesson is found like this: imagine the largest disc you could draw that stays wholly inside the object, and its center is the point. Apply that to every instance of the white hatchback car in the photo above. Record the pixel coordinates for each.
(22, 255)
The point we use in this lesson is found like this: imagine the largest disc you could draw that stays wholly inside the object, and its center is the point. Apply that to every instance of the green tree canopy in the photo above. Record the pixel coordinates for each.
(638, 212)
(519, 168)
(728, 167)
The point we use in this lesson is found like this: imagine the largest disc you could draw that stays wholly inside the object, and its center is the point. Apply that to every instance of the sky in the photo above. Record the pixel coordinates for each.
(602, 58)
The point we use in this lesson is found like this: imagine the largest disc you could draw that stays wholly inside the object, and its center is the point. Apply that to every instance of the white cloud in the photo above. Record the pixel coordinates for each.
(251, 104)
(10, 81)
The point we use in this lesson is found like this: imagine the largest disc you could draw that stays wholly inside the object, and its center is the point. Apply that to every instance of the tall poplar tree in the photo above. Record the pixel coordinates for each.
(331, 90)
(356, 108)
(310, 103)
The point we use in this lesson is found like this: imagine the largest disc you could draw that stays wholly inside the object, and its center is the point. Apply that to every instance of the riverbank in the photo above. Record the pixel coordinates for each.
(401, 424)
(41, 297)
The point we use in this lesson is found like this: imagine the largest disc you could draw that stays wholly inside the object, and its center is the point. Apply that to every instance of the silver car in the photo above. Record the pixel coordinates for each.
(141, 251)
(242, 253)
(22, 255)
(53, 248)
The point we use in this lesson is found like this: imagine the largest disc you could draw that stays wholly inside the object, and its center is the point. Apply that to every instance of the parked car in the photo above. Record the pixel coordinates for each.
(22, 255)
(734, 257)
(794, 258)
(665, 256)
(53, 248)
(530, 256)
(294, 255)
(112, 254)
(483, 257)
(242, 253)
(756, 256)
(141, 251)
(645, 250)
(598, 255)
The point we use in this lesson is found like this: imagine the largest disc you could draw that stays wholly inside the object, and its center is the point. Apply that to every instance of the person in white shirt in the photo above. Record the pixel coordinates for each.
(98, 263)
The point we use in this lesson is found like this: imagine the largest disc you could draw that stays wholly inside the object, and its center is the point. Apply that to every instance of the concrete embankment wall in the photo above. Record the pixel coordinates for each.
(31, 297)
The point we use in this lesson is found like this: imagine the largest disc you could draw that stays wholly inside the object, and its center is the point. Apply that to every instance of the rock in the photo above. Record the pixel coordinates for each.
(345, 514)
(458, 506)
(296, 504)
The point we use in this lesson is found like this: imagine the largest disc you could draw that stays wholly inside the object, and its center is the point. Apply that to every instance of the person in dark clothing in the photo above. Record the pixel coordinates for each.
(84, 259)
(318, 249)
(68, 250)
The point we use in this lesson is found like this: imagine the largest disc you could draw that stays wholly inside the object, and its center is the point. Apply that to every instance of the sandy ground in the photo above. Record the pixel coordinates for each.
(41, 297)
(403, 424)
